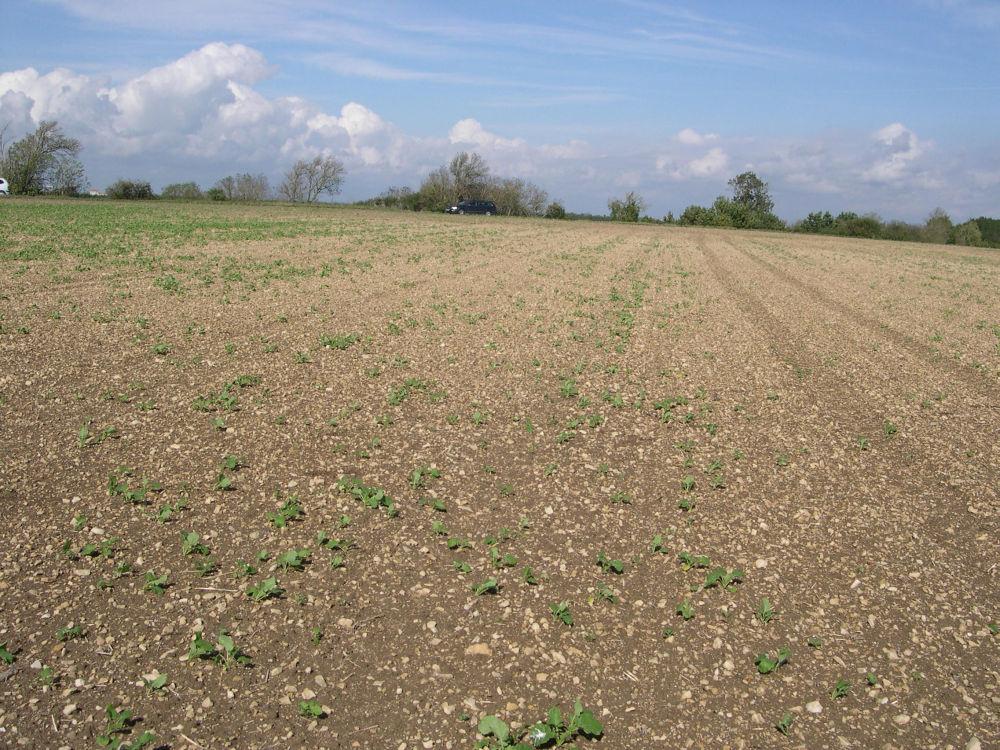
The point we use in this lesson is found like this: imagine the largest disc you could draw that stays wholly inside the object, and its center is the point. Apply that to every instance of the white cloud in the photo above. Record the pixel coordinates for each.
(899, 147)
(471, 132)
(710, 164)
(691, 137)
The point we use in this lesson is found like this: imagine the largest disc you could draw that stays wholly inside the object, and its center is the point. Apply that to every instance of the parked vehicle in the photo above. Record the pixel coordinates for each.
(4, 187)
(473, 207)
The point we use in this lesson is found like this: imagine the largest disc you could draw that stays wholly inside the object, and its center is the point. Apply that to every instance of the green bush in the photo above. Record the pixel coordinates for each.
(130, 190)
(182, 191)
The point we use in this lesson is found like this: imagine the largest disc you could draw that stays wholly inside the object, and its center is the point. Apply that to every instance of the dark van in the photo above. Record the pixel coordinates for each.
(473, 207)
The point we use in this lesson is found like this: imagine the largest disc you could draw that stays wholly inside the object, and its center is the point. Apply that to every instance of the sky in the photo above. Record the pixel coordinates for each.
(891, 107)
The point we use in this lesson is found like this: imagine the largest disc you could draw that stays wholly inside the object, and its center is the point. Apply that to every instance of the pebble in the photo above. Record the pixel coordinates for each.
(346, 623)
(308, 694)
(814, 707)
(974, 744)
(901, 719)
(70, 708)
(479, 649)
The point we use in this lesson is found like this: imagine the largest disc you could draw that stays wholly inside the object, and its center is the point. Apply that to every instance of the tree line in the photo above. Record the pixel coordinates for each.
(467, 177)
(46, 161)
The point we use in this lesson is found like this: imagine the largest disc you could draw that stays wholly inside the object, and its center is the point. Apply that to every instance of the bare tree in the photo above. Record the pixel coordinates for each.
(244, 187)
(67, 177)
(306, 181)
(29, 164)
(470, 175)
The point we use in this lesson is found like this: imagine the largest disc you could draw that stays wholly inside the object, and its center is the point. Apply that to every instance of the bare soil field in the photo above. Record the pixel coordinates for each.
(292, 477)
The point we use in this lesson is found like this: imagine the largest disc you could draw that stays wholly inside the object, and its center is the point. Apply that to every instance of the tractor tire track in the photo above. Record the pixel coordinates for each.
(925, 354)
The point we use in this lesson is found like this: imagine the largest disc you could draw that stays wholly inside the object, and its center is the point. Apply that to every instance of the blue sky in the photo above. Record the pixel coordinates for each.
(884, 106)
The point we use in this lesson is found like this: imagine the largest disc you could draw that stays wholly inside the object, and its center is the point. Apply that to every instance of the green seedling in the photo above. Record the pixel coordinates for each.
(166, 512)
(266, 589)
(439, 528)
(434, 503)
(603, 593)
(766, 664)
(118, 723)
(621, 498)
(421, 474)
(118, 486)
(687, 503)
(528, 576)
(206, 567)
(6, 656)
(316, 635)
(226, 653)
(993, 627)
(765, 612)
(871, 679)
(223, 482)
(610, 566)
(507, 560)
(557, 730)
(561, 612)
(689, 561)
(815, 642)
(371, 497)
(461, 566)
(154, 583)
(86, 438)
(191, 544)
(290, 510)
(46, 676)
(840, 690)
(344, 521)
(157, 683)
(688, 483)
(69, 633)
(294, 559)
(723, 578)
(339, 341)
(311, 709)
(685, 610)
(79, 522)
(659, 545)
(457, 543)
(326, 541)
(889, 429)
(784, 724)
(489, 586)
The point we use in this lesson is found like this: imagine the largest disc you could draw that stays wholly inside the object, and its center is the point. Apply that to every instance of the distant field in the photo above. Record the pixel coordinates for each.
(492, 466)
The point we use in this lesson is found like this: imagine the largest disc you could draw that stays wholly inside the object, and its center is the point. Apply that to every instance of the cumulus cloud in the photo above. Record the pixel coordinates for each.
(899, 147)
(691, 137)
(712, 163)
(470, 132)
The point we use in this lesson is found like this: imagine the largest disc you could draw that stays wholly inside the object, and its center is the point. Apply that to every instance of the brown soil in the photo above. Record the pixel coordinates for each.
(535, 353)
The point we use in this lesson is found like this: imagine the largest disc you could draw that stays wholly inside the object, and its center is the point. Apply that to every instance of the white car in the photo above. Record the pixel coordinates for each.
(4, 187)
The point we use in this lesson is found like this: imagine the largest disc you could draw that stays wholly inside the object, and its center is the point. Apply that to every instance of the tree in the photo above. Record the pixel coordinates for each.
(130, 190)
(817, 222)
(469, 175)
(628, 208)
(182, 191)
(750, 191)
(967, 234)
(243, 187)
(437, 191)
(938, 227)
(67, 177)
(555, 210)
(31, 163)
(306, 181)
